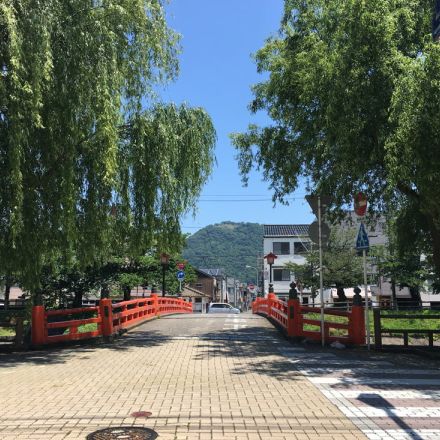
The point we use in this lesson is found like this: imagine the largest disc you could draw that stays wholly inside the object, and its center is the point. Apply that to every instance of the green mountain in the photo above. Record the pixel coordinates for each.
(229, 246)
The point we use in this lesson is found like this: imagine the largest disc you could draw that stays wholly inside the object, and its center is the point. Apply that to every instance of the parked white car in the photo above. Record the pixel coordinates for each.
(222, 308)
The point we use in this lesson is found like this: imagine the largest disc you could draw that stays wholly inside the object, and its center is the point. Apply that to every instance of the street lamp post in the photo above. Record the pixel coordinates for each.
(164, 261)
(256, 277)
(270, 260)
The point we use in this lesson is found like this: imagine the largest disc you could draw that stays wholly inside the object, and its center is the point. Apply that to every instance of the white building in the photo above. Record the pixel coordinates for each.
(290, 244)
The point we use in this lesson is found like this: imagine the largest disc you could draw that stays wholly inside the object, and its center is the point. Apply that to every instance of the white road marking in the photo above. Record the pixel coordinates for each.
(402, 434)
(385, 394)
(401, 372)
(372, 381)
(364, 416)
(394, 412)
(234, 322)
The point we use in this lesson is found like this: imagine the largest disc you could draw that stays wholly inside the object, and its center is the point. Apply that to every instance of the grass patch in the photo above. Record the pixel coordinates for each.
(85, 328)
(6, 331)
(410, 323)
(327, 318)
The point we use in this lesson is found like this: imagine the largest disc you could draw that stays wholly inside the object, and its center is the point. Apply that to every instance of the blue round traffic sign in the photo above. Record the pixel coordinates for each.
(180, 275)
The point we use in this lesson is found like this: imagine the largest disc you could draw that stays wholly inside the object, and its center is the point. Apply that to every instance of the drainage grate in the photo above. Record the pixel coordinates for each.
(123, 432)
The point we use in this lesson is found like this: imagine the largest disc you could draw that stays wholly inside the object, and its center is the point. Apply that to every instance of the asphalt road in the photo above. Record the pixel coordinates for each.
(206, 325)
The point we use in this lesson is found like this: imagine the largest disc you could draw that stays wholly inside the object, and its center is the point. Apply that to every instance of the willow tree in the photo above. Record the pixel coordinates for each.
(353, 92)
(88, 161)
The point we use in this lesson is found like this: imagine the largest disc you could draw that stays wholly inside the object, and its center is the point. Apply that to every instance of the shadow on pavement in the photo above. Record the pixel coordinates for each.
(378, 402)
(62, 354)
(254, 350)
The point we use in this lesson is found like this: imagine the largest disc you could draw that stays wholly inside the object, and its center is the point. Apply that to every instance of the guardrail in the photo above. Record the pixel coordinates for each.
(379, 330)
(57, 326)
(291, 317)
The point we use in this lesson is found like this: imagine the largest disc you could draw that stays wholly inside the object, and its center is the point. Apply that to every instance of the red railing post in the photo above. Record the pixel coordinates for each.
(38, 325)
(271, 297)
(155, 300)
(106, 312)
(357, 325)
(294, 318)
(254, 305)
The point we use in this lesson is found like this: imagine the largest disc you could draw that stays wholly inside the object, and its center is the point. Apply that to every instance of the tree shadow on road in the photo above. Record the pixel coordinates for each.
(64, 353)
(252, 350)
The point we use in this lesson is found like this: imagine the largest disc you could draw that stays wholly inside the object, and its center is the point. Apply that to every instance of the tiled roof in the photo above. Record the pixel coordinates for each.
(286, 230)
(213, 272)
(190, 292)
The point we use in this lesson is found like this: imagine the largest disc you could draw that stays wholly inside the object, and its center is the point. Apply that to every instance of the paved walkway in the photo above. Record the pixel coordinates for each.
(388, 397)
(206, 377)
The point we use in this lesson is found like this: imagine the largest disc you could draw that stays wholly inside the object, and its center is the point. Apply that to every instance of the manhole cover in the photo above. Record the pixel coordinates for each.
(141, 414)
(123, 432)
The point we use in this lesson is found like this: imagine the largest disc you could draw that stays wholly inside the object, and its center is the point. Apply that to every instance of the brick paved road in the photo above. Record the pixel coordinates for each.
(215, 377)
(202, 377)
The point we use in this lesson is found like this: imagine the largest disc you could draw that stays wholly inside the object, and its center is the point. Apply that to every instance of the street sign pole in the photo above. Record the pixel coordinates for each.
(367, 315)
(180, 276)
(321, 280)
(363, 244)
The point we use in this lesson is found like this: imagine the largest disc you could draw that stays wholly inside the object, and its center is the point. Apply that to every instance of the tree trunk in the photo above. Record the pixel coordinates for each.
(393, 293)
(435, 240)
(105, 291)
(7, 292)
(415, 296)
(77, 301)
(436, 251)
(127, 291)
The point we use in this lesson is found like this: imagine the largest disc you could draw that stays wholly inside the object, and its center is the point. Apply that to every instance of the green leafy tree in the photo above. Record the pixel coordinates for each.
(342, 267)
(116, 276)
(354, 94)
(403, 267)
(86, 172)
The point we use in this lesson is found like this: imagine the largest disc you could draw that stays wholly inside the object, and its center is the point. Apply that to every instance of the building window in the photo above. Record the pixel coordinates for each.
(281, 275)
(198, 285)
(281, 248)
(301, 248)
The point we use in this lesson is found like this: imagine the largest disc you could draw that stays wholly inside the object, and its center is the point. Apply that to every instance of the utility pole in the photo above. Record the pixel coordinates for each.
(321, 278)
(319, 233)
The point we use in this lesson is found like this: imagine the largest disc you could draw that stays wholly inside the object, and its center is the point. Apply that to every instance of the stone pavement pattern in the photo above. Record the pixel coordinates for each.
(238, 382)
(388, 397)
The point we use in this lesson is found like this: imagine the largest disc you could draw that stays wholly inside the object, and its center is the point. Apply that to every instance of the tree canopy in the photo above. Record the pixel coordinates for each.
(342, 267)
(91, 164)
(353, 92)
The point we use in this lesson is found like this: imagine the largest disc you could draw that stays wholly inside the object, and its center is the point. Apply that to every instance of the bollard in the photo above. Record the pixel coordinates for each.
(106, 312)
(39, 331)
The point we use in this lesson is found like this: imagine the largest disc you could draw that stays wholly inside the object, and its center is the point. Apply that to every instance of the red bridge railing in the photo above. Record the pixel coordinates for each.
(55, 326)
(292, 317)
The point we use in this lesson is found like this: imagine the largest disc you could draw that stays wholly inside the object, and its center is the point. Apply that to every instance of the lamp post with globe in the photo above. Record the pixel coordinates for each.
(270, 258)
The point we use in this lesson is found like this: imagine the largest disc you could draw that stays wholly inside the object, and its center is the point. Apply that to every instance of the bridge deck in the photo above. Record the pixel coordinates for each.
(211, 377)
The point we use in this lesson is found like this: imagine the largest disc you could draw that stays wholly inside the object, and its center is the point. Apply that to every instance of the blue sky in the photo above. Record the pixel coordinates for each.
(216, 73)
